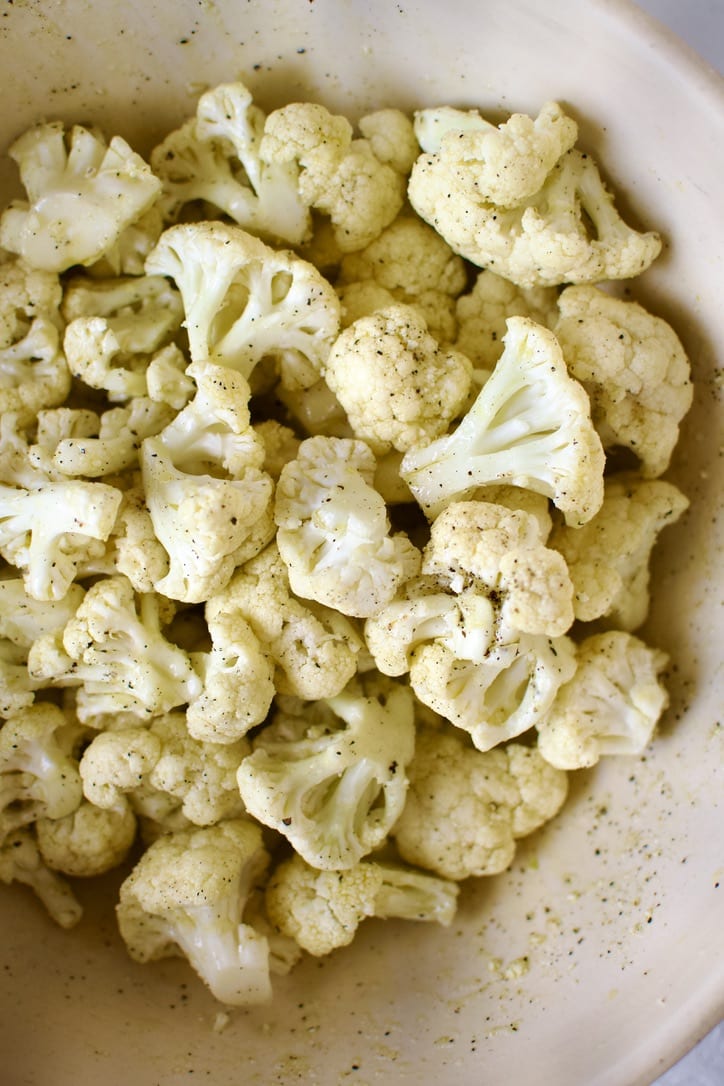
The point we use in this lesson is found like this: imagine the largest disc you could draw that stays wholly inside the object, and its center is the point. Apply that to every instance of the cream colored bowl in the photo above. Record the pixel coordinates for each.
(599, 958)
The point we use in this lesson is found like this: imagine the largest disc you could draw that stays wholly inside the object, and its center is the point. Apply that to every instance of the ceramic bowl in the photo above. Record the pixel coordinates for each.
(597, 959)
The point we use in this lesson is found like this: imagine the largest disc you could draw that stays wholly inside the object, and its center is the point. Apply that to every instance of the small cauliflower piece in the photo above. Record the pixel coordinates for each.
(499, 165)
(611, 705)
(530, 426)
(214, 158)
(205, 489)
(186, 897)
(20, 861)
(81, 194)
(609, 557)
(115, 651)
(332, 780)
(466, 809)
(49, 532)
(398, 388)
(280, 443)
(339, 176)
(38, 771)
(567, 231)
(313, 648)
(391, 135)
(333, 531)
(245, 301)
(634, 368)
(33, 369)
(112, 445)
(483, 312)
(143, 311)
(321, 910)
(88, 842)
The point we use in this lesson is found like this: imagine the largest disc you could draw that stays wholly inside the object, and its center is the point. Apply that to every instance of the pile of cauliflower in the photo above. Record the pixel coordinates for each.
(330, 471)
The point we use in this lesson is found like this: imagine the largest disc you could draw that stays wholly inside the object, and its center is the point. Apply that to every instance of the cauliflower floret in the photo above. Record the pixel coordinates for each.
(110, 445)
(483, 312)
(340, 176)
(334, 532)
(332, 780)
(313, 648)
(128, 254)
(609, 558)
(245, 302)
(481, 632)
(237, 677)
(164, 762)
(81, 194)
(143, 311)
(397, 386)
(410, 263)
(20, 861)
(186, 896)
(391, 135)
(611, 705)
(33, 369)
(38, 771)
(321, 910)
(280, 443)
(115, 651)
(568, 231)
(530, 426)
(132, 547)
(499, 165)
(465, 809)
(205, 490)
(634, 368)
(214, 158)
(89, 841)
(49, 532)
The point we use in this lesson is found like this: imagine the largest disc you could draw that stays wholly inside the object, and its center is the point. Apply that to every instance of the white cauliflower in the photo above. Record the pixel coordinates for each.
(186, 897)
(398, 388)
(634, 368)
(609, 557)
(332, 779)
(530, 426)
(245, 301)
(81, 194)
(213, 158)
(21, 862)
(611, 705)
(321, 910)
(88, 842)
(466, 809)
(333, 531)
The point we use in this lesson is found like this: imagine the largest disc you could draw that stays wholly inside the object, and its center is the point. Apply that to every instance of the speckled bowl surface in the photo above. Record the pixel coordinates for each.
(599, 957)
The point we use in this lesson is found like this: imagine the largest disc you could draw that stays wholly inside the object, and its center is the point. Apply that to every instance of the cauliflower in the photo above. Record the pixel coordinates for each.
(132, 547)
(530, 426)
(33, 369)
(398, 388)
(609, 557)
(38, 771)
(109, 442)
(245, 301)
(634, 368)
(214, 158)
(499, 165)
(81, 194)
(20, 861)
(332, 780)
(481, 632)
(565, 230)
(49, 532)
(466, 808)
(163, 762)
(391, 135)
(143, 311)
(408, 263)
(333, 531)
(205, 489)
(186, 896)
(611, 705)
(313, 648)
(90, 841)
(237, 677)
(482, 314)
(115, 651)
(321, 910)
(340, 176)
